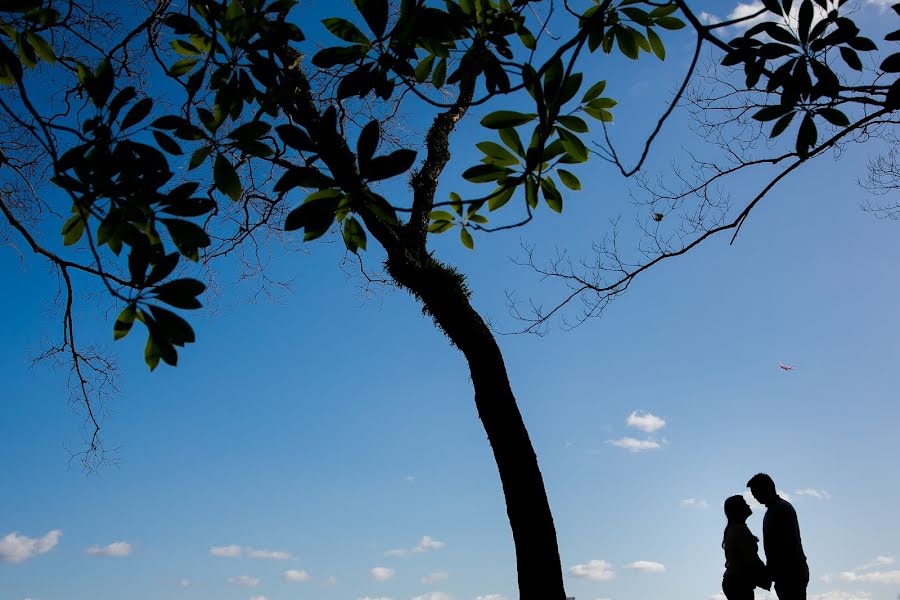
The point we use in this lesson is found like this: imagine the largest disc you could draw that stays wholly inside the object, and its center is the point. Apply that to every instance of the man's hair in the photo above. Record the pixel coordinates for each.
(761, 481)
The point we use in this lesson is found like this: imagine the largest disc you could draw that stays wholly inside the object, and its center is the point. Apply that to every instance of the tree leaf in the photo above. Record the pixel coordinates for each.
(124, 322)
(354, 235)
(391, 165)
(466, 238)
(226, 178)
(346, 31)
(180, 293)
(568, 179)
(502, 119)
(137, 113)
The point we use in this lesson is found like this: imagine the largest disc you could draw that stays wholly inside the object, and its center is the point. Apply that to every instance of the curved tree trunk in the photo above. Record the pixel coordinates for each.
(444, 295)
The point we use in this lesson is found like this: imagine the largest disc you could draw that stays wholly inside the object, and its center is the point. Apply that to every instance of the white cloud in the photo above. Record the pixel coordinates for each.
(296, 576)
(434, 596)
(268, 554)
(258, 598)
(381, 573)
(881, 4)
(814, 493)
(635, 445)
(709, 19)
(235, 551)
(244, 581)
(646, 422)
(695, 503)
(594, 570)
(116, 549)
(374, 598)
(880, 561)
(647, 566)
(841, 596)
(892, 577)
(435, 577)
(491, 597)
(184, 583)
(718, 596)
(15, 548)
(428, 543)
(232, 551)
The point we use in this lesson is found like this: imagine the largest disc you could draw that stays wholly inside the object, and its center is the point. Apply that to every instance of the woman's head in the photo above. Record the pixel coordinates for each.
(737, 509)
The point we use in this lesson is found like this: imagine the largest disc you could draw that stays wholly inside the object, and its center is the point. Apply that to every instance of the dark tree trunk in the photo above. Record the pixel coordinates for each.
(443, 293)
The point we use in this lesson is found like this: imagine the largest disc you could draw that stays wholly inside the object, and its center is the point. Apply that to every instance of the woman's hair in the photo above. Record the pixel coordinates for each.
(734, 512)
(734, 507)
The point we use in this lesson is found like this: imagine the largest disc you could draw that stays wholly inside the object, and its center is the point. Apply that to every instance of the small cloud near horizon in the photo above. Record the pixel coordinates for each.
(425, 544)
(635, 445)
(593, 570)
(236, 551)
(647, 566)
(697, 503)
(115, 549)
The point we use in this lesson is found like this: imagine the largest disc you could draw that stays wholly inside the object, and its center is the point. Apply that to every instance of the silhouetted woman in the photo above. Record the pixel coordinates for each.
(743, 568)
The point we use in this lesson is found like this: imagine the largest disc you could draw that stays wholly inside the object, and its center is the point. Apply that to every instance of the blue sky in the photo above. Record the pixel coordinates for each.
(325, 445)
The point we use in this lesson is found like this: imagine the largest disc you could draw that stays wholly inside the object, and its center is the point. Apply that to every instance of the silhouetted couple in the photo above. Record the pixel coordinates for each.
(785, 565)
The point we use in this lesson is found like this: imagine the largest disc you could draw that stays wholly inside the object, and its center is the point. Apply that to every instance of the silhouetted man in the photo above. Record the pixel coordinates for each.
(781, 540)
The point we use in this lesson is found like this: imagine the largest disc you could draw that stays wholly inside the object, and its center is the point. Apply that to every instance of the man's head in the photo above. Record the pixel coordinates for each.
(763, 488)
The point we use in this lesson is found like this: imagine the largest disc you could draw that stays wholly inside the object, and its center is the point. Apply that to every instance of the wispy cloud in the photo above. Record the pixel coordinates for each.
(374, 598)
(635, 445)
(258, 598)
(647, 566)
(881, 4)
(236, 551)
(646, 422)
(428, 543)
(296, 576)
(594, 570)
(836, 595)
(491, 597)
(435, 577)
(15, 548)
(425, 544)
(232, 551)
(879, 561)
(814, 493)
(381, 573)
(891, 577)
(244, 581)
(694, 503)
(268, 554)
(115, 549)
(433, 596)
